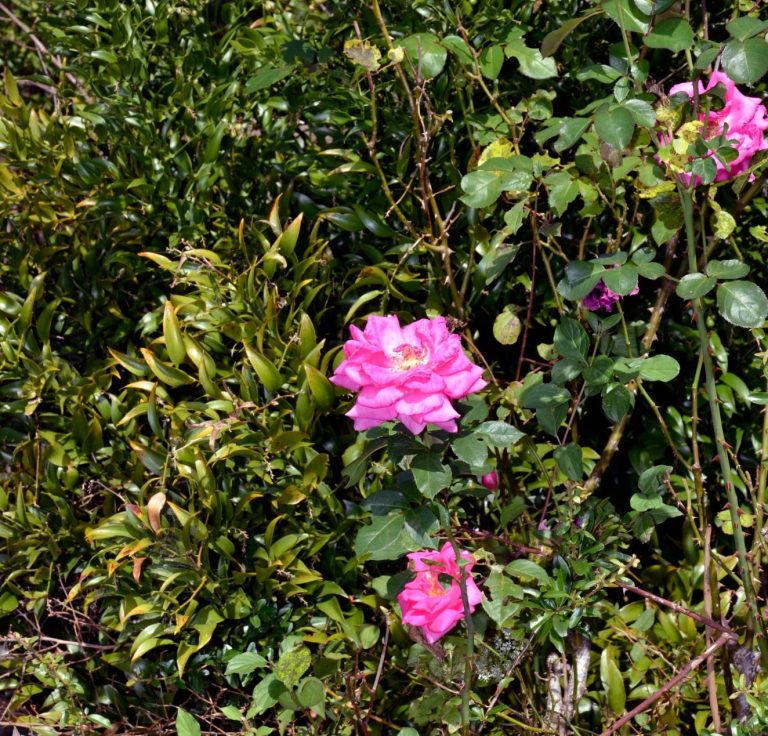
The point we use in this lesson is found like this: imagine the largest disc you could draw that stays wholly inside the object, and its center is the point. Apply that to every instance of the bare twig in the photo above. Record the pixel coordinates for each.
(669, 685)
(43, 50)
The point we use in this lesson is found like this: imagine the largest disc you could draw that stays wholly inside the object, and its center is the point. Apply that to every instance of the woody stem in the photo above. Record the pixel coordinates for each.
(717, 424)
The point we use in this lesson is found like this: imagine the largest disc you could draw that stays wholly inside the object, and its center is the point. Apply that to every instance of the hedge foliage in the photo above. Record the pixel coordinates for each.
(198, 199)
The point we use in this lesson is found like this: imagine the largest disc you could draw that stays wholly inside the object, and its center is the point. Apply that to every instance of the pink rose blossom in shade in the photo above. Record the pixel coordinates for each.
(409, 373)
(434, 604)
(743, 119)
(601, 297)
(490, 480)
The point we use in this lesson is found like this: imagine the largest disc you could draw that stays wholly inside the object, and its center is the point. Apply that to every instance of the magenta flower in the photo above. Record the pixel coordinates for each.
(409, 373)
(432, 600)
(601, 297)
(743, 119)
(490, 480)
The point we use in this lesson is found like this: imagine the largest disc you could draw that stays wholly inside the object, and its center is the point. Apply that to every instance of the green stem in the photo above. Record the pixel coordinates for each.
(466, 685)
(717, 424)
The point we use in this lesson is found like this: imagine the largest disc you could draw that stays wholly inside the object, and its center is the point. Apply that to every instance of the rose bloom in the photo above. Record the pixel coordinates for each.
(432, 604)
(743, 119)
(601, 297)
(409, 373)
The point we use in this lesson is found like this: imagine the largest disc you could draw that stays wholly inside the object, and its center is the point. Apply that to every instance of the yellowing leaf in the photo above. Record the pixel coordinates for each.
(154, 507)
(363, 54)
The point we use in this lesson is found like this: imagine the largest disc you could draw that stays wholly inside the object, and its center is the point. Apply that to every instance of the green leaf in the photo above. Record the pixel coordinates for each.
(674, 34)
(320, 387)
(532, 63)
(265, 694)
(563, 189)
(514, 172)
(742, 303)
(311, 692)
(385, 538)
(615, 125)
(292, 665)
(471, 450)
(570, 133)
(554, 39)
(745, 62)
(613, 683)
(499, 434)
(626, 15)
(566, 370)
(265, 369)
(659, 368)
(746, 26)
(569, 460)
(491, 60)
(617, 401)
(501, 589)
(622, 280)
(232, 712)
(245, 663)
(727, 270)
(642, 111)
(507, 327)
(186, 724)
(571, 339)
(695, 285)
(652, 270)
(266, 77)
(580, 279)
(174, 342)
(425, 53)
(544, 395)
(458, 46)
(430, 474)
(527, 569)
(481, 188)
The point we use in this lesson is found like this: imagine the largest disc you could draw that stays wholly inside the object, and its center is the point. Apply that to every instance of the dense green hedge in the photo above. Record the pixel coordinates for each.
(197, 199)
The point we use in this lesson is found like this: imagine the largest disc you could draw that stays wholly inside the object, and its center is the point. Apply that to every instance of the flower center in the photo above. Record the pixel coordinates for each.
(408, 356)
(434, 585)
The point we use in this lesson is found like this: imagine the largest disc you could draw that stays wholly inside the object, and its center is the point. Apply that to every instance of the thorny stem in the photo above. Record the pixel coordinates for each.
(669, 685)
(612, 444)
(663, 425)
(431, 207)
(717, 424)
(760, 494)
(466, 685)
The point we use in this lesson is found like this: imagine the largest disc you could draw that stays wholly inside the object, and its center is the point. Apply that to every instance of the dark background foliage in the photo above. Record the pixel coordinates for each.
(196, 200)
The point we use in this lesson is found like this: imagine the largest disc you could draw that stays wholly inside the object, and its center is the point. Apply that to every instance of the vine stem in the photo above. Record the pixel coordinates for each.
(717, 423)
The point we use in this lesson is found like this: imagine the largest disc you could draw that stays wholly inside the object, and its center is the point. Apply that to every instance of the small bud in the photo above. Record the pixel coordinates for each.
(490, 480)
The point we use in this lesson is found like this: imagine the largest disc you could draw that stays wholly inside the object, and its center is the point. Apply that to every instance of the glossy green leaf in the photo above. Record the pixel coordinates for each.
(727, 270)
(426, 55)
(695, 285)
(186, 724)
(674, 34)
(745, 62)
(742, 303)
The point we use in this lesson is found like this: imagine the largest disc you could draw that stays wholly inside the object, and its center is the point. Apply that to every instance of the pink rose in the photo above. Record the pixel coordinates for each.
(743, 119)
(432, 603)
(601, 297)
(408, 373)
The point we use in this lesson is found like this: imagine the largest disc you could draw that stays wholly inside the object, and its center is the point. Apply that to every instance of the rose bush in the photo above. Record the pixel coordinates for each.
(432, 604)
(409, 373)
(742, 119)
